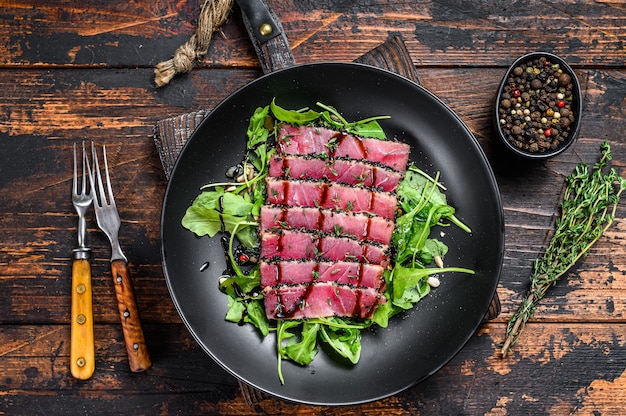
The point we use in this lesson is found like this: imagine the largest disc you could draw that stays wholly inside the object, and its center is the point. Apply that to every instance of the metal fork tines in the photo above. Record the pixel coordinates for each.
(81, 200)
(108, 220)
(82, 356)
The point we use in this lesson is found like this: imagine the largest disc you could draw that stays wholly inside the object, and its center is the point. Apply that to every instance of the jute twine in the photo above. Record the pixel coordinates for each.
(212, 15)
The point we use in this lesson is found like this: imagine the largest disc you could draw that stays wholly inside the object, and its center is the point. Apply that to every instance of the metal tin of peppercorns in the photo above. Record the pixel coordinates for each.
(538, 106)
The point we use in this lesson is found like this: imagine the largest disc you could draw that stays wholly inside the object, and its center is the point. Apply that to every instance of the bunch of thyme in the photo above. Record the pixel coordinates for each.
(587, 210)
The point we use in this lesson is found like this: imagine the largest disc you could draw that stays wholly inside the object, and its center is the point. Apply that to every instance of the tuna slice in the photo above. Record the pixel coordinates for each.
(293, 245)
(320, 299)
(358, 225)
(297, 193)
(301, 272)
(327, 223)
(348, 172)
(320, 141)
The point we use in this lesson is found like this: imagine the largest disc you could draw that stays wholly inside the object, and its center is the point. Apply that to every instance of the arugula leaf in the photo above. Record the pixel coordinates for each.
(424, 205)
(368, 127)
(245, 301)
(330, 117)
(288, 347)
(432, 248)
(297, 117)
(411, 284)
(202, 221)
(305, 350)
(258, 135)
(248, 235)
(345, 341)
(382, 314)
(256, 316)
(223, 202)
(233, 204)
(418, 189)
(236, 310)
(216, 211)
(251, 312)
(242, 286)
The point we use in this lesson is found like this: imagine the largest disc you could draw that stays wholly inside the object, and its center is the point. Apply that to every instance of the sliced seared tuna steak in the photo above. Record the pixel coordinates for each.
(327, 224)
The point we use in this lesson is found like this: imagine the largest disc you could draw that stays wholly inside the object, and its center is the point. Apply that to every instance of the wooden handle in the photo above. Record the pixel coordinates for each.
(136, 347)
(82, 357)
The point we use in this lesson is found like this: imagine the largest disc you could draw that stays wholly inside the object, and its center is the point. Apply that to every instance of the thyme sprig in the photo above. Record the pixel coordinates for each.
(588, 208)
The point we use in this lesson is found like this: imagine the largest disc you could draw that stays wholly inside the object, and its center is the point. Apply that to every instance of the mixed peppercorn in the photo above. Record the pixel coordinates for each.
(535, 109)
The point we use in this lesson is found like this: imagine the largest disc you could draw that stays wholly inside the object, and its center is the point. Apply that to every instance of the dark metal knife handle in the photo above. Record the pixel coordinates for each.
(138, 357)
(267, 35)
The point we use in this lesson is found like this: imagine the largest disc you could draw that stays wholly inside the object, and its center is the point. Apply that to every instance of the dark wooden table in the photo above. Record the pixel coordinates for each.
(84, 70)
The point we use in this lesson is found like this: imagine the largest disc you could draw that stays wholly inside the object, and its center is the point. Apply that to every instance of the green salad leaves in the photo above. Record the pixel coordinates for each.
(232, 209)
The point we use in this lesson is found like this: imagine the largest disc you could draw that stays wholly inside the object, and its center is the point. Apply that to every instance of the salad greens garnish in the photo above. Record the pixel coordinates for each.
(233, 209)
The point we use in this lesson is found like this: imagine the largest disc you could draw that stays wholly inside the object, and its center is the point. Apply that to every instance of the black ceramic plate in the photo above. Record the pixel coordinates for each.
(416, 344)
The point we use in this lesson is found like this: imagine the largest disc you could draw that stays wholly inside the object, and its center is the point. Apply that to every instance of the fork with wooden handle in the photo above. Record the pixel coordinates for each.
(109, 222)
(82, 357)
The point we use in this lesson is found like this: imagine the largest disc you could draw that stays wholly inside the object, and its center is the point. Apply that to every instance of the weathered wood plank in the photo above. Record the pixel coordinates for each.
(559, 365)
(46, 348)
(470, 33)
